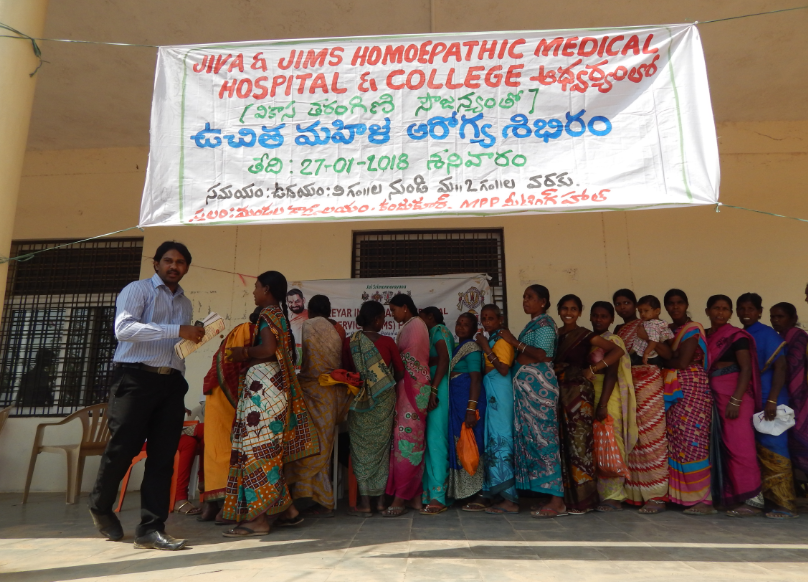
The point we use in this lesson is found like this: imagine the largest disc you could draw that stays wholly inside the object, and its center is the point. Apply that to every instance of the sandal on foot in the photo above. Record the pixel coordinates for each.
(251, 533)
(499, 511)
(548, 513)
(318, 512)
(736, 513)
(354, 512)
(692, 511)
(433, 509)
(652, 507)
(475, 506)
(289, 521)
(606, 508)
(192, 511)
(781, 514)
(393, 511)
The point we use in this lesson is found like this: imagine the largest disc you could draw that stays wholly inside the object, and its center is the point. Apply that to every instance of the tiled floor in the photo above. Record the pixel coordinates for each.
(47, 540)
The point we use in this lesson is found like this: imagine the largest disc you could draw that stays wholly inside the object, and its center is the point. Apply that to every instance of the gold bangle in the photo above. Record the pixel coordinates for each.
(772, 401)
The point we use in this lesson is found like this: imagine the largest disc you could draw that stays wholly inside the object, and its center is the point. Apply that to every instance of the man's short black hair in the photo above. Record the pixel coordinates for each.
(172, 245)
(295, 291)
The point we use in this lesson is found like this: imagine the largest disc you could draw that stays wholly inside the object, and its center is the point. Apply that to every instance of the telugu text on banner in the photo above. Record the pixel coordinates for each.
(430, 125)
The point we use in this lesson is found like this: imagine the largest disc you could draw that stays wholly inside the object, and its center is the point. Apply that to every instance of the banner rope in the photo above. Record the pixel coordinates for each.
(719, 204)
(29, 256)
(750, 15)
(38, 51)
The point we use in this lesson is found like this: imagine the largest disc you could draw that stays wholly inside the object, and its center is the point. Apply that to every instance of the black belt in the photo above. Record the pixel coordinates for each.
(161, 370)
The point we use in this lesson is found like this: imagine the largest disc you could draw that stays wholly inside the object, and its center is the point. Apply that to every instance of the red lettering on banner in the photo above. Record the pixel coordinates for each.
(470, 44)
(449, 84)
(393, 54)
(320, 83)
(512, 50)
(390, 84)
(645, 49)
(229, 87)
(261, 90)
(472, 78)
(543, 48)
(611, 44)
(334, 87)
(437, 50)
(453, 51)
(315, 59)
(585, 52)
(493, 78)
(277, 81)
(633, 44)
(359, 56)
(569, 46)
(423, 52)
(336, 56)
(238, 63)
(514, 73)
(431, 82)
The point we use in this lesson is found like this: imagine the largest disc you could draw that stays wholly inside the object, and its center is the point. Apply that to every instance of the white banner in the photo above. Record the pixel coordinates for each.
(452, 294)
(430, 125)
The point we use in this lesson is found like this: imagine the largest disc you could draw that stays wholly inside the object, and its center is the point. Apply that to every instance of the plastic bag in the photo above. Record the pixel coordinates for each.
(467, 452)
(608, 460)
(781, 423)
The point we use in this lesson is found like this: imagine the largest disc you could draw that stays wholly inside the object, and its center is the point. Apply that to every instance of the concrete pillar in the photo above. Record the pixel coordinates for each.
(16, 100)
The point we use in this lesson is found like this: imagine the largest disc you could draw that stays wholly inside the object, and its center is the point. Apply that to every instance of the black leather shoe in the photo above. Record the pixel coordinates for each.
(158, 540)
(108, 524)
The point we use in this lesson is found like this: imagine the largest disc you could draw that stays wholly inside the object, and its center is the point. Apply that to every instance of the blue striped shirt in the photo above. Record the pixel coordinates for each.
(147, 323)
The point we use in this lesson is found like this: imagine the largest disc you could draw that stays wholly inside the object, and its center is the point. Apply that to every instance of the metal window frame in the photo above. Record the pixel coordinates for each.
(62, 302)
(500, 292)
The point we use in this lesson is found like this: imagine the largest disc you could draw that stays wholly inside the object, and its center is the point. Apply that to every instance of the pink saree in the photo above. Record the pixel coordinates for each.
(412, 398)
(737, 471)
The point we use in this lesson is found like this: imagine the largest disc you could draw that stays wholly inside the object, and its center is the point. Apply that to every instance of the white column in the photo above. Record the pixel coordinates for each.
(16, 100)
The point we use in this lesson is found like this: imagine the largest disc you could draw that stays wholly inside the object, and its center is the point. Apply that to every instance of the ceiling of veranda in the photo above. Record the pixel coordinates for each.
(95, 96)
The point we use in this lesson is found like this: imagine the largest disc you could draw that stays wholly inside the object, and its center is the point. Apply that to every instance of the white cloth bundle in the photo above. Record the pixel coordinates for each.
(781, 423)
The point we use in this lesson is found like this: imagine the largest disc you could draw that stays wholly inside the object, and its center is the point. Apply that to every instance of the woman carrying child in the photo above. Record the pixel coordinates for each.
(644, 339)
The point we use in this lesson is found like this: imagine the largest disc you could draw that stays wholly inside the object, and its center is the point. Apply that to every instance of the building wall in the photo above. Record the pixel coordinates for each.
(74, 194)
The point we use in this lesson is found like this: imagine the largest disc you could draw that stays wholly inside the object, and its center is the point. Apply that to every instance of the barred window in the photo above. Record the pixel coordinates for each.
(56, 335)
(420, 253)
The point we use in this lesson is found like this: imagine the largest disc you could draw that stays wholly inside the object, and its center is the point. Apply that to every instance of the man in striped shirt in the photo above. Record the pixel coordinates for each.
(147, 397)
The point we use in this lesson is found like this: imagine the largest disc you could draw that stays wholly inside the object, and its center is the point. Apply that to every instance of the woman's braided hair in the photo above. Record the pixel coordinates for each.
(278, 286)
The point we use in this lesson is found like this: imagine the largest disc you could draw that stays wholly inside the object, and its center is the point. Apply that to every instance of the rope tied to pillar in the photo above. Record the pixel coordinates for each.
(34, 45)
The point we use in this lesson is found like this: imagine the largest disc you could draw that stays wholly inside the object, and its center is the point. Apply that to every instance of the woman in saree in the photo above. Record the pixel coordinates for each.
(499, 483)
(467, 406)
(773, 454)
(272, 425)
(577, 395)
(436, 457)
(537, 460)
(221, 389)
(648, 461)
(372, 413)
(412, 399)
(689, 410)
(735, 383)
(309, 478)
(783, 317)
(614, 398)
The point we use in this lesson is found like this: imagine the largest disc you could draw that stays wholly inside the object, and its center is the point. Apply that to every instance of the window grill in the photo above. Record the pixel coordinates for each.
(56, 334)
(420, 253)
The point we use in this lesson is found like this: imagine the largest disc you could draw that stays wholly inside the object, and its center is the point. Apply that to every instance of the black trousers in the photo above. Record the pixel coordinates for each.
(150, 407)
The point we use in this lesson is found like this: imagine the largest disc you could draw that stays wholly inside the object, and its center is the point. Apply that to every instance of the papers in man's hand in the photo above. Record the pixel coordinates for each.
(214, 325)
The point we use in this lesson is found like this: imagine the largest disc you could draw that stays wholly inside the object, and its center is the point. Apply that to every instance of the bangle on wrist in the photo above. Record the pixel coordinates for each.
(471, 409)
(772, 401)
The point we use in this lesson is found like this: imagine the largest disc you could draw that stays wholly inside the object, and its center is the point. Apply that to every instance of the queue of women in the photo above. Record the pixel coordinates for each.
(576, 419)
